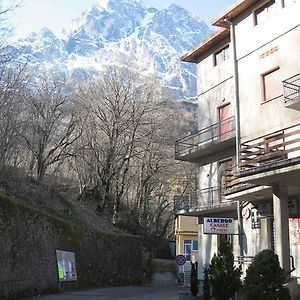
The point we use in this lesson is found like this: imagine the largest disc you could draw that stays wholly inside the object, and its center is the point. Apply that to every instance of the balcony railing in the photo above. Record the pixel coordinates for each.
(277, 147)
(234, 184)
(292, 90)
(199, 200)
(214, 134)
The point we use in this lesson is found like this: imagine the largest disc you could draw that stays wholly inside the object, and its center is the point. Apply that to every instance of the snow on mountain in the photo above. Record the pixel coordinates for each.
(124, 33)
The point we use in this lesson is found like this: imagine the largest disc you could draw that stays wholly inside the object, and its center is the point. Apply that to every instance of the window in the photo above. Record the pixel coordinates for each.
(195, 246)
(266, 11)
(288, 2)
(189, 246)
(272, 85)
(221, 55)
(187, 249)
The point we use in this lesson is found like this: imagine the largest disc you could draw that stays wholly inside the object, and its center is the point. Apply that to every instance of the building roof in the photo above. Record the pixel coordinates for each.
(193, 55)
(232, 11)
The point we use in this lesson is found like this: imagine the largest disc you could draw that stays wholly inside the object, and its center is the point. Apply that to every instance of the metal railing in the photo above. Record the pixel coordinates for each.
(200, 200)
(275, 147)
(291, 88)
(233, 183)
(215, 133)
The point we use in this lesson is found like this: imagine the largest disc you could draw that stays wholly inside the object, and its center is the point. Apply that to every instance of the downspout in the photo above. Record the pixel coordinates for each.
(237, 126)
(236, 92)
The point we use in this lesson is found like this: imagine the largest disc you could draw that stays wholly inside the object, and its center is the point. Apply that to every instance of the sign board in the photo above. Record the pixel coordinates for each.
(294, 228)
(218, 225)
(180, 260)
(66, 266)
(292, 206)
(266, 209)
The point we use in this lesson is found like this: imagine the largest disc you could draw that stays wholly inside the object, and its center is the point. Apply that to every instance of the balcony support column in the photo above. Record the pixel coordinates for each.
(281, 223)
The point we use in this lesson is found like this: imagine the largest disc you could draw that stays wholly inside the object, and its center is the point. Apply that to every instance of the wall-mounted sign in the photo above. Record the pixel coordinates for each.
(292, 206)
(66, 266)
(294, 228)
(265, 209)
(218, 225)
(255, 218)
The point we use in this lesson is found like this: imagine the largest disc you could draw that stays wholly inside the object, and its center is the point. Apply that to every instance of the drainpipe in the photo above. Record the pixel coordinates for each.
(237, 125)
(236, 91)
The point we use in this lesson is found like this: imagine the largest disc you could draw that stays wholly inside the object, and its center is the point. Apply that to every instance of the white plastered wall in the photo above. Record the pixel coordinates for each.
(282, 31)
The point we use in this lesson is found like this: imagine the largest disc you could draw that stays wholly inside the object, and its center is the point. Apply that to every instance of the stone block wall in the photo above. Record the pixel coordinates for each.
(28, 244)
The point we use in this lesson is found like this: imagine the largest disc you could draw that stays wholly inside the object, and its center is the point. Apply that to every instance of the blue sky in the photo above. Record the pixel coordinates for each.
(57, 14)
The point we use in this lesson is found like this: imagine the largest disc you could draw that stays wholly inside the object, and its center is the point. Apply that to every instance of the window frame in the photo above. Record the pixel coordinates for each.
(265, 6)
(284, 4)
(225, 50)
(263, 85)
(193, 245)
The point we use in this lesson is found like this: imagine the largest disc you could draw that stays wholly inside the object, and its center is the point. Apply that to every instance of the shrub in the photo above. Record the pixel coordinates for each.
(264, 279)
(206, 284)
(223, 275)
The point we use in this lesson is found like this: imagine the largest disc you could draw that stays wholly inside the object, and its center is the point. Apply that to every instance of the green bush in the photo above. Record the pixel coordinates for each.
(206, 284)
(223, 275)
(264, 279)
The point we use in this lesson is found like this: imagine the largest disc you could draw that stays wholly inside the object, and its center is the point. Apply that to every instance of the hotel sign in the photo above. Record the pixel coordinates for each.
(218, 225)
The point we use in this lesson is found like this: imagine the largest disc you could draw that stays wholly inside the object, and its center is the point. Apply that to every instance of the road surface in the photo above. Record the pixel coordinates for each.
(163, 286)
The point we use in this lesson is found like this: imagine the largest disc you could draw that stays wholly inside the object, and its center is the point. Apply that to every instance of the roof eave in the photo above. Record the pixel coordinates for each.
(233, 11)
(193, 55)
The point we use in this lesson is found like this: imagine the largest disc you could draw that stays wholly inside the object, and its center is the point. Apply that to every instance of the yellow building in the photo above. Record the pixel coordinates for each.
(186, 232)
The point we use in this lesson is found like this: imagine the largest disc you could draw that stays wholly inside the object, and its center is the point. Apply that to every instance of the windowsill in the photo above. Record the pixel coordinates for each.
(269, 100)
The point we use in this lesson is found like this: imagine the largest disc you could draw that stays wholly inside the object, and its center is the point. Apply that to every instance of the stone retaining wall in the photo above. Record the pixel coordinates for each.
(28, 241)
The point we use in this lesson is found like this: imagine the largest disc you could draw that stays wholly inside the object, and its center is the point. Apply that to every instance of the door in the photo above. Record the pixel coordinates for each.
(225, 126)
(187, 249)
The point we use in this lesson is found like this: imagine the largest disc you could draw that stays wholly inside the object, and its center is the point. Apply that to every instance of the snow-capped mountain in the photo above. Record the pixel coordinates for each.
(122, 32)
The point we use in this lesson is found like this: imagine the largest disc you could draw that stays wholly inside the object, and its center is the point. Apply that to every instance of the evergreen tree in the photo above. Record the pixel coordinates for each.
(264, 278)
(206, 284)
(223, 275)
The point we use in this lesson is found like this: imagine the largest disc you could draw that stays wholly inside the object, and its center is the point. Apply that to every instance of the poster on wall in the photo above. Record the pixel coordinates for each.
(294, 227)
(218, 225)
(66, 266)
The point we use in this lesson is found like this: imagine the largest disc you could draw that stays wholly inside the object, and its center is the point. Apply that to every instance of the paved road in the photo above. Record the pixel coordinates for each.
(163, 287)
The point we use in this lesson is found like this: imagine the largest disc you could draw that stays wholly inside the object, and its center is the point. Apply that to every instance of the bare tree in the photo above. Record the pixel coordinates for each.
(12, 87)
(117, 107)
(50, 123)
(6, 53)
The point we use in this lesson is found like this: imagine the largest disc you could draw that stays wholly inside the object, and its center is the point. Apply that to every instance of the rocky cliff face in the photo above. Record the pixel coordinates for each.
(123, 33)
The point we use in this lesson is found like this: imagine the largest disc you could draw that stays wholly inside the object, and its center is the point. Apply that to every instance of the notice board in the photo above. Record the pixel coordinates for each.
(66, 266)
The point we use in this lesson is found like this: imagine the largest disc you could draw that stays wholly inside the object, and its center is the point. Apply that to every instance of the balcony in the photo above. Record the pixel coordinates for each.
(271, 158)
(207, 141)
(291, 88)
(203, 202)
(234, 184)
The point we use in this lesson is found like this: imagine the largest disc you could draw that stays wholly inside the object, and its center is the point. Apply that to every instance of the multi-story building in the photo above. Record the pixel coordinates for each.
(248, 144)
